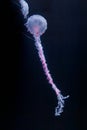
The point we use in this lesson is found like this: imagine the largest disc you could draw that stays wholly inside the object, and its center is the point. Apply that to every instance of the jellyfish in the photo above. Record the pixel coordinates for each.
(37, 25)
(24, 8)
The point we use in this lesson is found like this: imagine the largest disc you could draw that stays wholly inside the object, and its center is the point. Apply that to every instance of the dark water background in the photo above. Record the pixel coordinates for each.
(27, 99)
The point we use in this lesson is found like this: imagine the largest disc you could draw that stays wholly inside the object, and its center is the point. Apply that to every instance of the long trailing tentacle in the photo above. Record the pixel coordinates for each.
(60, 97)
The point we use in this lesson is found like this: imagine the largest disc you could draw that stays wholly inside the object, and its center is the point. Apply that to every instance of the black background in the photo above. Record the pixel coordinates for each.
(27, 100)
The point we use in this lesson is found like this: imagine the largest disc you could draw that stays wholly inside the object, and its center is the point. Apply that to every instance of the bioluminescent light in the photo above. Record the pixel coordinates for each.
(37, 25)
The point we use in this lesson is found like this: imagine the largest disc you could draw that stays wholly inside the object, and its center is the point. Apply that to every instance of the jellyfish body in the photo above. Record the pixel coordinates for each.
(37, 25)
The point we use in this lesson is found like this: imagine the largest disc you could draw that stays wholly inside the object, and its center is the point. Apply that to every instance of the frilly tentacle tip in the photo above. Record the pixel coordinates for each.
(59, 108)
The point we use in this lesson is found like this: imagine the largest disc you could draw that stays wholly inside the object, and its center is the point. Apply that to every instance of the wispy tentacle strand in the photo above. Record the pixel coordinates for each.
(60, 98)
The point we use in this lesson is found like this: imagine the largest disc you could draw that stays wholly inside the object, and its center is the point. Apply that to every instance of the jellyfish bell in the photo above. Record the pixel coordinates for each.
(36, 25)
